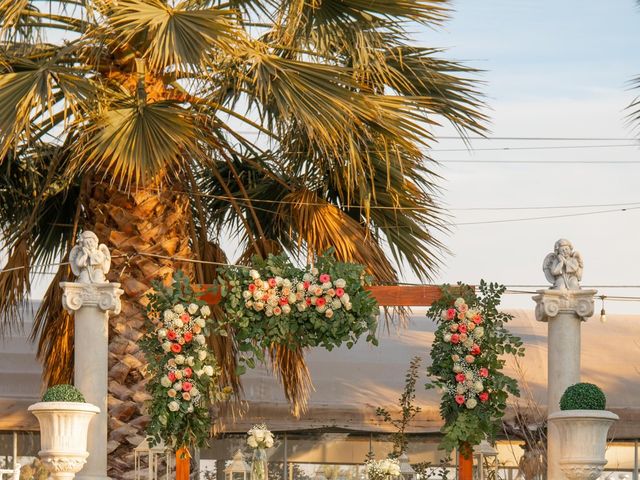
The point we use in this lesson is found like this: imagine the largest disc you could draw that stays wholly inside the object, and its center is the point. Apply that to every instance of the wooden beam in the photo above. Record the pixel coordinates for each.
(386, 296)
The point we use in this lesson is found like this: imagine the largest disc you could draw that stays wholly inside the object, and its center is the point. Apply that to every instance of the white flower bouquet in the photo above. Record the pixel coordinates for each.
(260, 437)
(382, 469)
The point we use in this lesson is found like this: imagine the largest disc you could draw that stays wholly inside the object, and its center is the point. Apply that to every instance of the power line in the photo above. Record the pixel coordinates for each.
(547, 217)
(541, 162)
(548, 207)
(555, 147)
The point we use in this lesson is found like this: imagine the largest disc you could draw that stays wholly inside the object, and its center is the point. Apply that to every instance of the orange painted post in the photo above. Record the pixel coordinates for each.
(183, 464)
(465, 462)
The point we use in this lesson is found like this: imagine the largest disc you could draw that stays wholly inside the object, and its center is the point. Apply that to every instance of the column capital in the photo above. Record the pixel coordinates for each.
(551, 303)
(105, 296)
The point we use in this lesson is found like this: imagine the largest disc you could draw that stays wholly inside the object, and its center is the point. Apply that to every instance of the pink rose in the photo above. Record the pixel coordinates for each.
(186, 396)
(188, 372)
(484, 396)
(171, 376)
(484, 373)
(186, 386)
(252, 287)
(477, 319)
(455, 338)
(459, 399)
(185, 317)
(475, 350)
(320, 302)
(188, 336)
(306, 284)
(324, 278)
(453, 327)
(451, 314)
(283, 301)
(460, 377)
(272, 282)
(339, 292)
(462, 329)
(171, 335)
(176, 348)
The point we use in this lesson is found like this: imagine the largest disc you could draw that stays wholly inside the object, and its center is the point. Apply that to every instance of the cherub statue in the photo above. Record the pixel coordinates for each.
(89, 261)
(563, 267)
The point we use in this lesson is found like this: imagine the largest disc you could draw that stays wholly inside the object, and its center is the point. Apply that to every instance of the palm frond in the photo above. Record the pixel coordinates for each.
(15, 285)
(179, 36)
(131, 142)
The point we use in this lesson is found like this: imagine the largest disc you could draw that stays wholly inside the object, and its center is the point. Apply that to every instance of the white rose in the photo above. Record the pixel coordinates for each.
(202, 354)
(321, 309)
(328, 313)
(179, 309)
(336, 304)
(273, 301)
(460, 389)
(447, 337)
(162, 333)
(174, 406)
(177, 386)
(471, 403)
(301, 306)
(394, 471)
(199, 373)
(194, 392)
(258, 306)
(248, 304)
(201, 322)
(326, 285)
(478, 386)
(165, 382)
(457, 368)
(268, 442)
(179, 359)
(279, 281)
(251, 441)
(205, 310)
(178, 323)
(257, 295)
(286, 309)
(247, 294)
(190, 361)
(168, 315)
(286, 283)
(193, 308)
(208, 370)
(345, 299)
(259, 435)
(340, 283)
(200, 339)
(166, 346)
(459, 302)
(307, 277)
(292, 298)
(254, 274)
(478, 332)
(348, 306)
(268, 311)
(314, 271)
(190, 409)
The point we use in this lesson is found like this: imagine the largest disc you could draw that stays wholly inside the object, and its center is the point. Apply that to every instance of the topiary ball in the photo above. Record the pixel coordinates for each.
(63, 393)
(583, 396)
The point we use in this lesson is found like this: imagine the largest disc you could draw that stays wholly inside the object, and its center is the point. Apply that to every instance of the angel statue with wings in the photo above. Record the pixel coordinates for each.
(89, 261)
(563, 267)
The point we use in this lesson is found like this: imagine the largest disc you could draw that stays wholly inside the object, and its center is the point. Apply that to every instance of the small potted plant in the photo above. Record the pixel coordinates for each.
(64, 418)
(583, 424)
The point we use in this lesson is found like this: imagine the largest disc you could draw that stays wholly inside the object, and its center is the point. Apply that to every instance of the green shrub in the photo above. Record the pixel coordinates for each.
(63, 393)
(583, 396)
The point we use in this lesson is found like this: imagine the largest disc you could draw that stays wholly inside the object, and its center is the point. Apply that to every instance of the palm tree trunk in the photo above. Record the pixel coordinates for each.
(144, 229)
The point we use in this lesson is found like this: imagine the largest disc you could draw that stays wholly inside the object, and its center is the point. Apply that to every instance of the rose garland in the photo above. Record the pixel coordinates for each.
(183, 371)
(466, 363)
(281, 309)
(277, 302)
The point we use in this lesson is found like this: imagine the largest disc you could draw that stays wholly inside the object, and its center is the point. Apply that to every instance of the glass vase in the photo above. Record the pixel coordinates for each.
(259, 470)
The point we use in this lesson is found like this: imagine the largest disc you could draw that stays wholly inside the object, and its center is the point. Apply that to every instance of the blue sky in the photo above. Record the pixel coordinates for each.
(552, 69)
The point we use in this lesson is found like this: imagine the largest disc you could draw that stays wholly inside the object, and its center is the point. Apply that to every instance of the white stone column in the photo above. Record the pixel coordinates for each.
(91, 304)
(563, 310)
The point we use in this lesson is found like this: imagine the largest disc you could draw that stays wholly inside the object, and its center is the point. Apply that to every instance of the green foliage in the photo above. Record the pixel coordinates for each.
(583, 396)
(259, 328)
(407, 407)
(177, 419)
(63, 393)
(479, 411)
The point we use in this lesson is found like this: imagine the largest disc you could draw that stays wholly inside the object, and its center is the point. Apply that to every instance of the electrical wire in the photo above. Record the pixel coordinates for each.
(546, 217)
(507, 149)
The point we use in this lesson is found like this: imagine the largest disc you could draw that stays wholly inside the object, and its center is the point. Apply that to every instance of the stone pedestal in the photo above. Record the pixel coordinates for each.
(563, 310)
(91, 304)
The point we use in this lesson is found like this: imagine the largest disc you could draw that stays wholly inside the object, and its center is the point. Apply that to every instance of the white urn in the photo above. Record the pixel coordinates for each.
(583, 441)
(63, 435)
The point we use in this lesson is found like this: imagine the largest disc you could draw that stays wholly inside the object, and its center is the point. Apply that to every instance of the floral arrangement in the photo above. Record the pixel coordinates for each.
(277, 302)
(467, 364)
(382, 469)
(183, 371)
(260, 437)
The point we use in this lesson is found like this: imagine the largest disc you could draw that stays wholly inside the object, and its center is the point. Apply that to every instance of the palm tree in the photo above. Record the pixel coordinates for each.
(165, 126)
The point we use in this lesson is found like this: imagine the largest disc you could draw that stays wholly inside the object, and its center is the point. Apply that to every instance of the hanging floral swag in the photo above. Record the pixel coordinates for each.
(467, 363)
(281, 309)
(184, 375)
